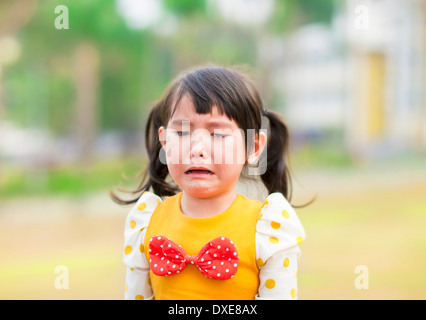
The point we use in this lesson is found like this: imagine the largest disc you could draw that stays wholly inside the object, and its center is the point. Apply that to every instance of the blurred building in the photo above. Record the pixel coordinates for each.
(362, 77)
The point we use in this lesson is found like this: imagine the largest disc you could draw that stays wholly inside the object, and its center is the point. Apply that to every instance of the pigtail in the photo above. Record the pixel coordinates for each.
(277, 175)
(157, 170)
(154, 176)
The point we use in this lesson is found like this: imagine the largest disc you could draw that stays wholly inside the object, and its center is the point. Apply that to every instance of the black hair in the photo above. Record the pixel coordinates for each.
(235, 95)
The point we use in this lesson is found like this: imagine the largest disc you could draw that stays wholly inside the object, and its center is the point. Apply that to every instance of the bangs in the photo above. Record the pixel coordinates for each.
(203, 98)
(207, 88)
(231, 92)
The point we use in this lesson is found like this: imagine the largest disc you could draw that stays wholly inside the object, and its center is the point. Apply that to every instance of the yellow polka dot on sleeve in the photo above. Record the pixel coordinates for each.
(286, 262)
(132, 224)
(293, 293)
(299, 240)
(142, 206)
(260, 263)
(139, 297)
(273, 240)
(275, 225)
(270, 283)
(285, 214)
(128, 250)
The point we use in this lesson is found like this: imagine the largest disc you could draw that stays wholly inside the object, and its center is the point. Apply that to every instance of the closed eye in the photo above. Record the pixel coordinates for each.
(219, 135)
(216, 135)
(182, 133)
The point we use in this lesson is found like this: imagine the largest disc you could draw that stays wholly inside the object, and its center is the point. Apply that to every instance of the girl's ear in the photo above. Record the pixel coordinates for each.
(162, 136)
(259, 146)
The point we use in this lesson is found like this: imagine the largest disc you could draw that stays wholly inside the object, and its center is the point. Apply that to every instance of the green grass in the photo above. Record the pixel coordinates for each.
(68, 180)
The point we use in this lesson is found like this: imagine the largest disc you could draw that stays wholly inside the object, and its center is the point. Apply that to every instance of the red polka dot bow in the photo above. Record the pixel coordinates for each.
(218, 259)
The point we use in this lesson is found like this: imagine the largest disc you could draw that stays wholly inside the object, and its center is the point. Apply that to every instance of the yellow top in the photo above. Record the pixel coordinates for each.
(267, 236)
(238, 223)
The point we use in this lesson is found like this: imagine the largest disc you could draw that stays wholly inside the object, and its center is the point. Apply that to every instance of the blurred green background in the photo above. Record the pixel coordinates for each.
(77, 80)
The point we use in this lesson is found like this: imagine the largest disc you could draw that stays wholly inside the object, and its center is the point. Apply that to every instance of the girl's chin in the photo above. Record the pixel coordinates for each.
(200, 192)
(205, 192)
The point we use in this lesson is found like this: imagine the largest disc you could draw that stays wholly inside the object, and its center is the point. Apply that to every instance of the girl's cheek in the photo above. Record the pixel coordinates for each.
(185, 151)
(174, 150)
(178, 150)
(238, 150)
(229, 151)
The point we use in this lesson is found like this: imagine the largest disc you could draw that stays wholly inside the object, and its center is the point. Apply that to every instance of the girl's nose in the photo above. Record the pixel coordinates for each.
(199, 146)
(197, 150)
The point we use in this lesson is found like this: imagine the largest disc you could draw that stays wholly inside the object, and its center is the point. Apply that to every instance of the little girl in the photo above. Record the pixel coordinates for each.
(193, 236)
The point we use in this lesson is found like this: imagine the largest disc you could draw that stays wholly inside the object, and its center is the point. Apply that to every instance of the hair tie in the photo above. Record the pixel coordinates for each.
(264, 111)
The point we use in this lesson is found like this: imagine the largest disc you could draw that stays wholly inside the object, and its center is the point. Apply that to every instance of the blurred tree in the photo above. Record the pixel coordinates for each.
(86, 73)
(313, 11)
(290, 14)
(103, 75)
(97, 61)
(13, 16)
(185, 7)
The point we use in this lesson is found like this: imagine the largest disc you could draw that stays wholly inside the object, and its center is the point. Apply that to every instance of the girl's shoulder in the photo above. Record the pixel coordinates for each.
(135, 228)
(278, 227)
(147, 203)
(142, 211)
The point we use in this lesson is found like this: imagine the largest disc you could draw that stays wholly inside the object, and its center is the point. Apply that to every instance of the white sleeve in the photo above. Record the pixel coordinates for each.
(278, 235)
(137, 273)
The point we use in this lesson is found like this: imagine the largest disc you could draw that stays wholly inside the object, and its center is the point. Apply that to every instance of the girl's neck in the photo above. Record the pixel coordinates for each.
(195, 207)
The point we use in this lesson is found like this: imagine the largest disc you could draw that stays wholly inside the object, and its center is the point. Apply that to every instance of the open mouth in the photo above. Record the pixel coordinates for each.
(199, 171)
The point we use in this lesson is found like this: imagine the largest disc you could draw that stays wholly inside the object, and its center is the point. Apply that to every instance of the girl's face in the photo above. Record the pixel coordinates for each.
(205, 153)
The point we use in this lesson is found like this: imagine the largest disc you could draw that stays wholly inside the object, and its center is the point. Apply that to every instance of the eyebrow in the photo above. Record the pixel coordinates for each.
(210, 124)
